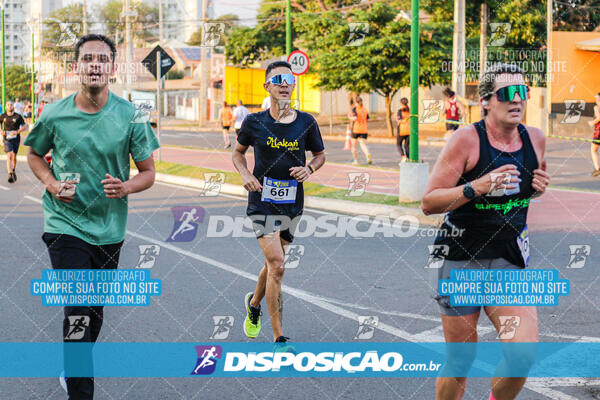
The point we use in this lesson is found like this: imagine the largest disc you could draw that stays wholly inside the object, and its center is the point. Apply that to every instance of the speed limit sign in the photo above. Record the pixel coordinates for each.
(37, 88)
(299, 62)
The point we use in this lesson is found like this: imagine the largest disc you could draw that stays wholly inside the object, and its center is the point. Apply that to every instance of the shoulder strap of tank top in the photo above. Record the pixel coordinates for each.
(529, 155)
(483, 140)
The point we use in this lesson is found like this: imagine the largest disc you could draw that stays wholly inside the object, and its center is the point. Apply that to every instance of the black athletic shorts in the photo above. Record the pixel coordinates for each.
(225, 127)
(450, 126)
(268, 224)
(12, 145)
(360, 135)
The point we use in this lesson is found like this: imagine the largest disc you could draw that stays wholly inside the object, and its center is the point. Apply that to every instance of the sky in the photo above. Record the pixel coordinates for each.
(245, 9)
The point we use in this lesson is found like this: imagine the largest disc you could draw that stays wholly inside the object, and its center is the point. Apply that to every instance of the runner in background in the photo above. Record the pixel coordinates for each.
(12, 125)
(18, 107)
(403, 134)
(454, 111)
(41, 108)
(595, 123)
(226, 117)
(360, 132)
(349, 127)
(28, 114)
(266, 104)
(239, 114)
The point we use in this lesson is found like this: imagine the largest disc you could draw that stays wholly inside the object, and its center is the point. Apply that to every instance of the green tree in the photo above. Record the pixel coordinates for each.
(229, 20)
(18, 82)
(576, 15)
(381, 63)
(61, 30)
(247, 45)
(144, 26)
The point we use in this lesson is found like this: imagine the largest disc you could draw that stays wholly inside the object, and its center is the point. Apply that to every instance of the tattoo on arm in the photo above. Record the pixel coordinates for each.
(280, 307)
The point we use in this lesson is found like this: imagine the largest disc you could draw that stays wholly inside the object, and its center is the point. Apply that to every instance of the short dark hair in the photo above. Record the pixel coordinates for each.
(449, 92)
(404, 100)
(95, 37)
(276, 64)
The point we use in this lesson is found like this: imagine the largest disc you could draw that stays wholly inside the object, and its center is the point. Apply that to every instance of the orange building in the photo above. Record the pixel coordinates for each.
(575, 68)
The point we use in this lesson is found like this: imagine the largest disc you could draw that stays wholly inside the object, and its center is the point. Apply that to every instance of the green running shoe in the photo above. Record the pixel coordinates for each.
(282, 345)
(252, 322)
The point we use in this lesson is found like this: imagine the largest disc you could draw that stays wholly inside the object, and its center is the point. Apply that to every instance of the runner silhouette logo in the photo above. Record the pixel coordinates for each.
(77, 326)
(431, 111)
(207, 359)
(185, 223)
(293, 254)
(437, 255)
(223, 325)
(579, 254)
(508, 326)
(357, 183)
(366, 327)
(148, 254)
(498, 33)
(573, 111)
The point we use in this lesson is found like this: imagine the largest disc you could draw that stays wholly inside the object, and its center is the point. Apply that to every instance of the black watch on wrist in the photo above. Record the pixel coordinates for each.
(468, 191)
(312, 171)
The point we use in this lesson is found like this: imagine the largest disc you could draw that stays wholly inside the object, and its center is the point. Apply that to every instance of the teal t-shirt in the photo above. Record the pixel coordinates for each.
(88, 146)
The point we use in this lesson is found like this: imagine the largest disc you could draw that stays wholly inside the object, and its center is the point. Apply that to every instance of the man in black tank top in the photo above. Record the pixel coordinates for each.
(484, 180)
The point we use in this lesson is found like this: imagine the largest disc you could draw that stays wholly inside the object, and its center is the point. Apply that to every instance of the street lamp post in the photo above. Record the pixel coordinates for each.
(3, 63)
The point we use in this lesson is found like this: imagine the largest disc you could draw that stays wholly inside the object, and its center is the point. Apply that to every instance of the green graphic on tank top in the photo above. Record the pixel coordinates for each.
(505, 207)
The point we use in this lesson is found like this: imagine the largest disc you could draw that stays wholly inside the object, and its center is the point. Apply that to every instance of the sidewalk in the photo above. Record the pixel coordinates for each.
(377, 128)
(557, 209)
(381, 181)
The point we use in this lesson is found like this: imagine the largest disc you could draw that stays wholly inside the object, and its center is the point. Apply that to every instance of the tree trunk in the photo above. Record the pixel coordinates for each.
(388, 114)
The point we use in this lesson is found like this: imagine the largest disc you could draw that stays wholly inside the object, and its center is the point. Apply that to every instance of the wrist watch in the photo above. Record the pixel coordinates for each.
(312, 171)
(468, 191)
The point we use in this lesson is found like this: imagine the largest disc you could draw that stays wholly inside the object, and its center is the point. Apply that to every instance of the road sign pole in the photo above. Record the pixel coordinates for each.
(32, 79)
(3, 64)
(158, 77)
(414, 82)
(288, 27)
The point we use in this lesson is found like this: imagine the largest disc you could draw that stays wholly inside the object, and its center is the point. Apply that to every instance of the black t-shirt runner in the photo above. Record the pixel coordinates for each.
(495, 225)
(277, 148)
(11, 123)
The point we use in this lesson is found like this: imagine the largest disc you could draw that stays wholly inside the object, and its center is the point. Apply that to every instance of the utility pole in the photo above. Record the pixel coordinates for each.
(85, 21)
(3, 64)
(32, 73)
(483, 39)
(414, 82)
(458, 49)
(288, 27)
(158, 77)
(129, 49)
(549, 68)
(160, 23)
(204, 71)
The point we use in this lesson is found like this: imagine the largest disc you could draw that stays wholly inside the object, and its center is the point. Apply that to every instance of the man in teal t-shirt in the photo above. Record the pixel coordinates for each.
(92, 134)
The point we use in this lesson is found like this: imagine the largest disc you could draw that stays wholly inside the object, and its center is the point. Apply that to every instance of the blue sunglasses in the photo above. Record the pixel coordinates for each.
(289, 79)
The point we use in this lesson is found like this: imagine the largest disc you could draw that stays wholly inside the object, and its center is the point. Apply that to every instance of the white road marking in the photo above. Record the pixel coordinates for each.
(301, 294)
(4, 187)
(34, 199)
(538, 385)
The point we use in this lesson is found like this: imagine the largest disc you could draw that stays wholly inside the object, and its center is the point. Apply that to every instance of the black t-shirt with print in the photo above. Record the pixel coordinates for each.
(277, 148)
(11, 122)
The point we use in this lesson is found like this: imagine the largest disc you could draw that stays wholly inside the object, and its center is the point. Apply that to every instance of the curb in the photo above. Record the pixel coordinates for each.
(319, 203)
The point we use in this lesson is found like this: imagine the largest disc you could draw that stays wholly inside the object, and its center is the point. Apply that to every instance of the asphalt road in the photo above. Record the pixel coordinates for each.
(569, 162)
(340, 278)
